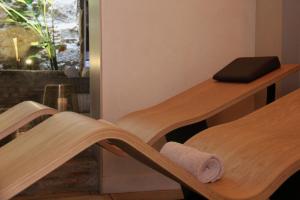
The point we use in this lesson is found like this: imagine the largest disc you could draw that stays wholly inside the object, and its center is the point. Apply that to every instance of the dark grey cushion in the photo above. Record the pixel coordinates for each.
(247, 69)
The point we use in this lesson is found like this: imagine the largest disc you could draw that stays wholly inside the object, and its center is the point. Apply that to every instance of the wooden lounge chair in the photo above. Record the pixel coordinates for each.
(153, 123)
(259, 151)
(20, 115)
(193, 105)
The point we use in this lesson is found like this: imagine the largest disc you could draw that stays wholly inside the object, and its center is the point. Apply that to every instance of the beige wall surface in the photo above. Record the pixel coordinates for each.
(277, 33)
(154, 49)
(291, 41)
(291, 31)
(269, 34)
(269, 28)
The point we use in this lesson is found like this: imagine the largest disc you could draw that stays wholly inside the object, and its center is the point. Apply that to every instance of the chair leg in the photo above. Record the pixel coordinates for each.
(271, 93)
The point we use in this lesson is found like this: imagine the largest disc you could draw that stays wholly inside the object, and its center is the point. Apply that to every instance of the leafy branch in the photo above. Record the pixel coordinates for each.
(30, 19)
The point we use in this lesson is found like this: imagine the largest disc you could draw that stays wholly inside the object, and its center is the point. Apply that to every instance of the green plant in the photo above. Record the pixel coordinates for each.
(35, 15)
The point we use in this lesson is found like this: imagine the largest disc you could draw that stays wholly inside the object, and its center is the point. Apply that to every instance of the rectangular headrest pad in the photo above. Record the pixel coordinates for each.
(247, 69)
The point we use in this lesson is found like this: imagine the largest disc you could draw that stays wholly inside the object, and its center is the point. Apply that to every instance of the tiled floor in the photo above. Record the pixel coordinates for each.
(153, 195)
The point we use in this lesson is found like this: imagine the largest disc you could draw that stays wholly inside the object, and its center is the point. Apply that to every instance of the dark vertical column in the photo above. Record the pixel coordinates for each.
(271, 93)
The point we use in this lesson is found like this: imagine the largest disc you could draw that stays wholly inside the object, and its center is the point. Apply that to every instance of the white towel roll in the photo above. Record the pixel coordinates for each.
(205, 167)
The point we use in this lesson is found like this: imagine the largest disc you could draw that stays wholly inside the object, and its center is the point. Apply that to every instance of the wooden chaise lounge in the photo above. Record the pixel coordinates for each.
(191, 106)
(259, 151)
(20, 115)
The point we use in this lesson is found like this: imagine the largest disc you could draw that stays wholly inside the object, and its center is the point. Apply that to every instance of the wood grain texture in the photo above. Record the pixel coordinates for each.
(259, 151)
(196, 104)
(21, 114)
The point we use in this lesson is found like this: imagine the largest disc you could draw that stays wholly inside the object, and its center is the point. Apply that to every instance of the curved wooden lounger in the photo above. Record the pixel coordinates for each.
(194, 105)
(191, 106)
(20, 115)
(260, 151)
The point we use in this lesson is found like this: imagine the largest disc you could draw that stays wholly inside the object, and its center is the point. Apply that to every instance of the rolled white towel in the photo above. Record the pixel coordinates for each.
(205, 167)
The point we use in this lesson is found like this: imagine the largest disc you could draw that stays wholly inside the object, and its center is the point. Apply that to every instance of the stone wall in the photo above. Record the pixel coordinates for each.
(7, 51)
(79, 175)
(67, 31)
(17, 86)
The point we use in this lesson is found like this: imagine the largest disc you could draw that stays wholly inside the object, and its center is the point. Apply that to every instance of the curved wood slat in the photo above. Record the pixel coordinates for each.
(260, 151)
(20, 115)
(194, 105)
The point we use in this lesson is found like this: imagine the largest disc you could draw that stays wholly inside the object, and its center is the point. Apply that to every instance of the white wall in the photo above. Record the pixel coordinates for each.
(291, 41)
(291, 31)
(269, 25)
(278, 33)
(154, 49)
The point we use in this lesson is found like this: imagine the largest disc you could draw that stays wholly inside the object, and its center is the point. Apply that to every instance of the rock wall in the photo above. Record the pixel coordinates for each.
(17, 86)
(66, 23)
(7, 50)
(67, 31)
